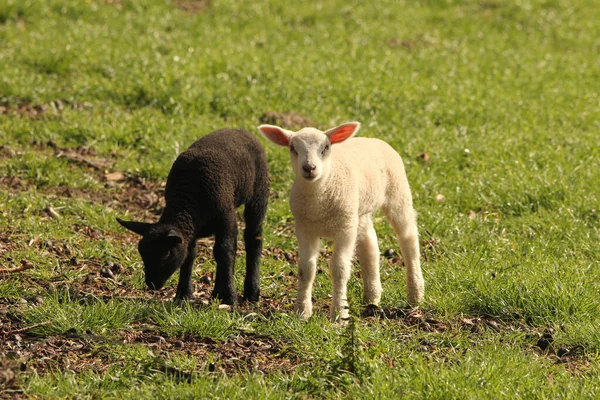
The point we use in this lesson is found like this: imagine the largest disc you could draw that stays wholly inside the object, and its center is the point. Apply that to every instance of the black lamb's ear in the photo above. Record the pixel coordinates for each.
(174, 236)
(141, 228)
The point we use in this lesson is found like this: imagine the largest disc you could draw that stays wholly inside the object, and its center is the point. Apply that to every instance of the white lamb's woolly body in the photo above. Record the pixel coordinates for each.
(333, 196)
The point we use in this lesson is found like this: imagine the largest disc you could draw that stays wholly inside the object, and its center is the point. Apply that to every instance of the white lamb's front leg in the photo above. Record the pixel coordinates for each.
(308, 251)
(367, 251)
(340, 267)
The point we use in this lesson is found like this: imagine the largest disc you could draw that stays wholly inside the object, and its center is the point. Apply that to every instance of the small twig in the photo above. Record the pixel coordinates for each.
(52, 212)
(27, 328)
(25, 265)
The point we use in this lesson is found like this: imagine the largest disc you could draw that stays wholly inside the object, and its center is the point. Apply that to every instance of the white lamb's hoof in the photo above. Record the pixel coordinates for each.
(304, 311)
(414, 296)
(340, 317)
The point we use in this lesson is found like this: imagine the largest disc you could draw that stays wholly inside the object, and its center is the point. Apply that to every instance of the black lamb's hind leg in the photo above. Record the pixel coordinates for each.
(224, 251)
(185, 288)
(254, 214)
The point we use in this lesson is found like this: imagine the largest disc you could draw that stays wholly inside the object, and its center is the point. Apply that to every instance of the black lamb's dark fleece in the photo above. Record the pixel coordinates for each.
(214, 176)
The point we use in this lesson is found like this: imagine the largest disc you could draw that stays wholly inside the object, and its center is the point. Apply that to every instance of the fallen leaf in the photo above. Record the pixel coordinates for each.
(424, 156)
(116, 176)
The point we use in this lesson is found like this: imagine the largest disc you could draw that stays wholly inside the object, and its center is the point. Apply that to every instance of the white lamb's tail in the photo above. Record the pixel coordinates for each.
(403, 218)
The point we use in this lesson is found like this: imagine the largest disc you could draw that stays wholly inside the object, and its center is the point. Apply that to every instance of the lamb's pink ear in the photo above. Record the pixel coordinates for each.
(342, 132)
(275, 134)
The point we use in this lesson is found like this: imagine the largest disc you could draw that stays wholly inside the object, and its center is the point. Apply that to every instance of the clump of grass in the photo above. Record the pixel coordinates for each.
(12, 11)
(502, 98)
(354, 358)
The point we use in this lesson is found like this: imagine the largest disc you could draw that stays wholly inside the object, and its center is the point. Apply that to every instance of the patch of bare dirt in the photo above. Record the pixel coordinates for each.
(107, 278)
(489, 4)
(85, 156)
(14, 182)
(246, 352)
(107, 281)
(9, 387)
(30, 110)
(193, 6)
(143, 197)
(7, 244)
(541, 338)
(573, 356)
(66, 352)
(7, 152)
(134, 194)
(242, 353)
(79, 351)
(83, 351)
(402, 43)
(408, 44)
(286, 120)
(427, 322)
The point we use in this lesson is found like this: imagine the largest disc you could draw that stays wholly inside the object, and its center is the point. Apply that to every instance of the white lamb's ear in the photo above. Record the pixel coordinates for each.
(342, 132)
(276, 134)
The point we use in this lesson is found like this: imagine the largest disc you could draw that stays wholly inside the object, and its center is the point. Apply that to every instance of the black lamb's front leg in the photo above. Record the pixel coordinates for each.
(224, 251)
(185, 288)
(254, 214)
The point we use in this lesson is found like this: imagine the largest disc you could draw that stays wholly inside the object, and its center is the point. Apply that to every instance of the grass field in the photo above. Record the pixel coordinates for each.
(494, 105)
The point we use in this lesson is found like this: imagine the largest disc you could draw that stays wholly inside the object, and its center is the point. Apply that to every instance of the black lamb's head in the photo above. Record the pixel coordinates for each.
(162, 249)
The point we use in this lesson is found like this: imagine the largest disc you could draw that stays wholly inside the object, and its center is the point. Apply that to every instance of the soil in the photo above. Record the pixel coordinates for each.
(193, 6)
(102, 278)
(286, 120)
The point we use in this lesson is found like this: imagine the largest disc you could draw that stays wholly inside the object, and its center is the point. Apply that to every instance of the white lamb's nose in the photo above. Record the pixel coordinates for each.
(309, 168)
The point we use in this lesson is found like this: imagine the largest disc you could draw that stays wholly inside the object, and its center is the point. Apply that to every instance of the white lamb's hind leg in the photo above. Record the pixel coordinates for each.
(367, 252)
(340, 267)
(403, 220)
(308, 251)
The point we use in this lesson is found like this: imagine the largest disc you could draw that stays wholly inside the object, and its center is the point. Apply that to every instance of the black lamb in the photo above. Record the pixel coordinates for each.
(214, 176)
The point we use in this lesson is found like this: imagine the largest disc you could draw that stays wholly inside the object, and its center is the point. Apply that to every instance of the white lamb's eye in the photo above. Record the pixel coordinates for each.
(325, 150)
(293, 150)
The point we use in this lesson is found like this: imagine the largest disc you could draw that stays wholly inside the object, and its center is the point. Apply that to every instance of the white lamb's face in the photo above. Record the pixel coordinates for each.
(310, 151)
(310, 148)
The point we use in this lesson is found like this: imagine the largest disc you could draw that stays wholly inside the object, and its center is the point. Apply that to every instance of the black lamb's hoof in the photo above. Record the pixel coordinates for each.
(253, 298)
(227, 298)
(183, 298)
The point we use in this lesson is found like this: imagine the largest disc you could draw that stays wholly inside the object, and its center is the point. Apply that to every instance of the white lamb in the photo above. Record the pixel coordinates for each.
(335, 191)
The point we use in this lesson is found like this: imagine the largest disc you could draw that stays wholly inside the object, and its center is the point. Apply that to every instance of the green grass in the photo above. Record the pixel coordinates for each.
(503, 96)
